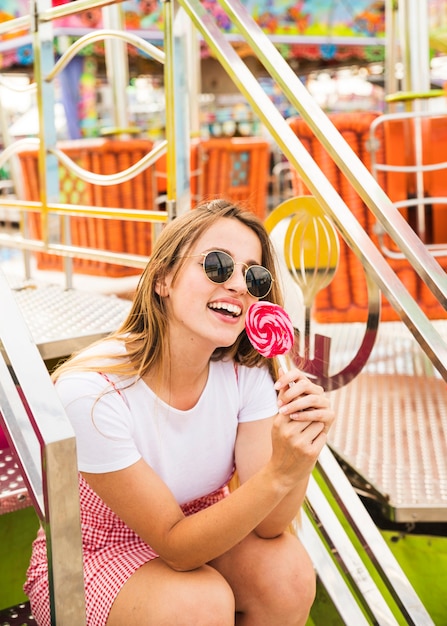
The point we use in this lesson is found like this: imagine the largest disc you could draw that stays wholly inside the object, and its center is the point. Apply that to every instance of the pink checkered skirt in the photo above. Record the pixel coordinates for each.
(112, 552)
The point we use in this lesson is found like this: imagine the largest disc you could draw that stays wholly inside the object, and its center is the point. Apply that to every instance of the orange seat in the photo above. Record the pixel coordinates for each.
(400, 150)
(435, 151)
(346, 298)
(235, 169)
(100, 156)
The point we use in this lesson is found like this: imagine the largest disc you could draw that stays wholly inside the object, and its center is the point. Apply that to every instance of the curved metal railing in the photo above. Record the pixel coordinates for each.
(47, 150)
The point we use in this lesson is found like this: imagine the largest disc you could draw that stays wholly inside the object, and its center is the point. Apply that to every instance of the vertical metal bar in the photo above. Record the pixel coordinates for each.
(63, 532)
(391, 46)
(414, 38)
(194, 76)
(43, 61)
(117, 65)
(418, 155)
(177, 93)
(171, 190)
(48, 166)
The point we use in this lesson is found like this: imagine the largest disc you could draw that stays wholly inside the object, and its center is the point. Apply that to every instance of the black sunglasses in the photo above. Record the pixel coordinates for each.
(219, 267)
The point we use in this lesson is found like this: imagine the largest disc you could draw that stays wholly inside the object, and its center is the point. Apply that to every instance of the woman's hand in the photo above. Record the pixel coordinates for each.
(297, 393)
(300, 429)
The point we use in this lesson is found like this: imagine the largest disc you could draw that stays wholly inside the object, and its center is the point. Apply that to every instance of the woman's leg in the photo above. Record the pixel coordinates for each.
(273, 580)
(158, 595)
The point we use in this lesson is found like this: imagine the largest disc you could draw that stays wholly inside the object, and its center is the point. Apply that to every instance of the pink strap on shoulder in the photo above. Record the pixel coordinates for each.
(110, 382)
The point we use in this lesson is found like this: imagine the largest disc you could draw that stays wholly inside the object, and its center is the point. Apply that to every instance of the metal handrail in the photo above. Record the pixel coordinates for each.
(349, 163)
(159, 216)
(69, 251)
(86, 175)
(44, 444)
(382, 559)
(18, 23)
(78, 252)
(110, 179)
(100, 35)
(356, 172)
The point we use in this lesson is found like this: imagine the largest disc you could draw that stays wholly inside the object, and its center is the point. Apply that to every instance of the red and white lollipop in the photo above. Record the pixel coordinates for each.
(270, 330)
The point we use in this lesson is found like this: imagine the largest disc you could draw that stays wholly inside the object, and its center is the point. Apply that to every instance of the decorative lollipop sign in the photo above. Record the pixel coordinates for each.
(270, 330)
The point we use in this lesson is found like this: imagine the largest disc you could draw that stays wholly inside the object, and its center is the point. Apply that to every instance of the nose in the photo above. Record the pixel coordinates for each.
(237, 282)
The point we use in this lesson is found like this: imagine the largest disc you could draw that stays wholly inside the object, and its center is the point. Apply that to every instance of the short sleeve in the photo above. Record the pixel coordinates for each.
(257, 394)
(101, 420)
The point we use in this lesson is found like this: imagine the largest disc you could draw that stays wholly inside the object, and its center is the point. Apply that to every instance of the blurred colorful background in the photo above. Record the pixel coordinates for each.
(302, 28)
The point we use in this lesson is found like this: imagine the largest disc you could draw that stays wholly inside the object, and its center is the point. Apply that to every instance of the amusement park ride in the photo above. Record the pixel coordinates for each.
(362, 241)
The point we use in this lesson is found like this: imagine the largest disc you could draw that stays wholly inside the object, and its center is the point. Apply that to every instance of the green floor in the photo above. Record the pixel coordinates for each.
(424, 560)
(17, 532)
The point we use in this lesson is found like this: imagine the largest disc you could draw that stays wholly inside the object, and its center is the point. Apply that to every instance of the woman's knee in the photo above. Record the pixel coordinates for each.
(212, 602)
(284, 576)
(299, 579)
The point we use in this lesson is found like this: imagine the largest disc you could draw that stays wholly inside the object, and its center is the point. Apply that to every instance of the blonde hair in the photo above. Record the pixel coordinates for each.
(145, 330)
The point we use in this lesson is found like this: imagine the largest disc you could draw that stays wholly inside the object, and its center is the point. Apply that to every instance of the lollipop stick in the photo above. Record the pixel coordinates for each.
(282, 362)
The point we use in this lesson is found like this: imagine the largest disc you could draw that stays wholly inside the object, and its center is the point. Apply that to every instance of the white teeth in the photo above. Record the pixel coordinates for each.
(231, 308)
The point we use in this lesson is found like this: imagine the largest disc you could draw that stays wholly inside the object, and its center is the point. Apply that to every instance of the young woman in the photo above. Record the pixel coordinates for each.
(164, 411)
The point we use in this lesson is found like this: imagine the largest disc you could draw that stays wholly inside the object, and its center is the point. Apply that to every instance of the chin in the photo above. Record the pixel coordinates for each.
(228, 344)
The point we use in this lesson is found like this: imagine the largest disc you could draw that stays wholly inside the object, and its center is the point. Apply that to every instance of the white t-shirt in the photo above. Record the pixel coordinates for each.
(192, 451)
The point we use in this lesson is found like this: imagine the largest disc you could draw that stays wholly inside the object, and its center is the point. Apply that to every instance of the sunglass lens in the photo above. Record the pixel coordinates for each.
(218, 266)
(259, 281)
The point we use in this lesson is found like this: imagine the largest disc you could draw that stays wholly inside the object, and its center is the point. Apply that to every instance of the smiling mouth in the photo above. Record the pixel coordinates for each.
(231, 310)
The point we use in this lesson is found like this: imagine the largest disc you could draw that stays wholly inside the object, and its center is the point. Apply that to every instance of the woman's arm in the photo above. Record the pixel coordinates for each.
(253, 449)
(144, 502)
